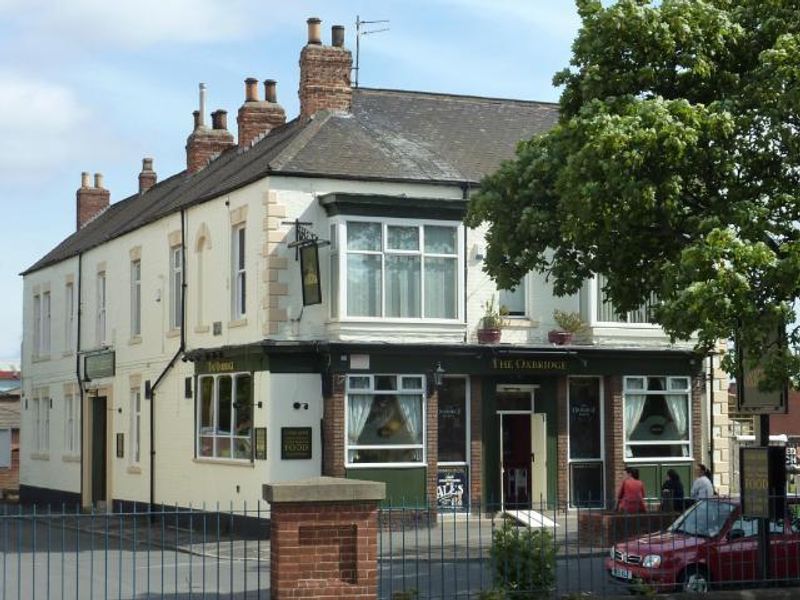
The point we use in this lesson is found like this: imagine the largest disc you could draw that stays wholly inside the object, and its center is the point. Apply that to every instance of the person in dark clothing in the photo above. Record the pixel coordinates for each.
(672, 493)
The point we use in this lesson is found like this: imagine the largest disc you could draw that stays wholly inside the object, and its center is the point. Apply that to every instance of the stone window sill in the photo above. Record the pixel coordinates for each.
(134, 470)
(173, 333)
(520, 323)
(228, 462)
(67, 353)
(40, 456)
(42, 358)
(237, 323)
(71, 458)
(202, 329)
(137, 339)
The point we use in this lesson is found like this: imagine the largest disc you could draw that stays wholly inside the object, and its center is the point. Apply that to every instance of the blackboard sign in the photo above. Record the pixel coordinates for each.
(261, 443)
(452, 488)
(295, 443)
(763, 481)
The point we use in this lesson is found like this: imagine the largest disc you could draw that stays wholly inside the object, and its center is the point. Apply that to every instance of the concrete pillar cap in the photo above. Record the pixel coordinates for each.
(324, 489)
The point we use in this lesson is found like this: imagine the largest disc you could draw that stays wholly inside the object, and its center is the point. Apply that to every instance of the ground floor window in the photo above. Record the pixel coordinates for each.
(385, 419)
(225, 416)
(585, 425)
(136, 426)
(657, 420)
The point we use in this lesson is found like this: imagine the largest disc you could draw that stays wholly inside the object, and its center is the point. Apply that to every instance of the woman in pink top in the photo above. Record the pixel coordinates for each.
(630, 498)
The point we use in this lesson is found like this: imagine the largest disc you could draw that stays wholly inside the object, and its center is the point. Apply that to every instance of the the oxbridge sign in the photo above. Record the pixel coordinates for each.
(523, 365)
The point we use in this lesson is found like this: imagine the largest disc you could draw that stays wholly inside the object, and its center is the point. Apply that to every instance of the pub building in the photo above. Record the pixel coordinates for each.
(489, 427)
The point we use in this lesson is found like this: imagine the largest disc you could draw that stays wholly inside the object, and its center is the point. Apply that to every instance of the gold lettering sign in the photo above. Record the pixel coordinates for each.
(220, 366)
(528, 364)
(755, 482)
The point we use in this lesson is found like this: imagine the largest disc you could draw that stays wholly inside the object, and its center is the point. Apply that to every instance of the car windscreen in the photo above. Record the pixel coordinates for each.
(703, 519)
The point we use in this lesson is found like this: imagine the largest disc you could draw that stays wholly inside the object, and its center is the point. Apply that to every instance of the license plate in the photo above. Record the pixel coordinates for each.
(620, 573)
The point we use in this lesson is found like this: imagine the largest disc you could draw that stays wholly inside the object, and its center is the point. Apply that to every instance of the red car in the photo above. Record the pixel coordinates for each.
(710, 543)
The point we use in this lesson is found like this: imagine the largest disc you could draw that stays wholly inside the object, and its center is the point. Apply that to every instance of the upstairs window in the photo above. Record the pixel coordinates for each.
(606, 312)
(176, 287)
(399, 270)
(136, 298)
(45, 349)
(69, 316)
(239, 275)
(37, 325)
(70, 424)
(514, 300)
(101, 309)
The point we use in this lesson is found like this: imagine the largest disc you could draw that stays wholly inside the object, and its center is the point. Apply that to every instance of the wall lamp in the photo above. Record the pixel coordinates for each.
(437, 378)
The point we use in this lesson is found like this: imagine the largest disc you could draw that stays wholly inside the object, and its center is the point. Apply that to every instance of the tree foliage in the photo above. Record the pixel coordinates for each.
(673, 169)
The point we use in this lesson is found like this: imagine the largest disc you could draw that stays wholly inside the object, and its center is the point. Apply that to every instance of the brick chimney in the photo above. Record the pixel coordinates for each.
(324, 72)
(90, 201)
(204, 144)
(257, 118)
(147, 177)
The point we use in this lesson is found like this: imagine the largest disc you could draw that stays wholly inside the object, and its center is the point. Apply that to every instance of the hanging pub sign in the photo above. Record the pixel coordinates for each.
(98, 365)
(306, 249)
(309, 268)
(751, 396)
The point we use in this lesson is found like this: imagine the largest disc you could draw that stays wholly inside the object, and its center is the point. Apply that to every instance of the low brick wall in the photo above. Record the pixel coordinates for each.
(600, 529)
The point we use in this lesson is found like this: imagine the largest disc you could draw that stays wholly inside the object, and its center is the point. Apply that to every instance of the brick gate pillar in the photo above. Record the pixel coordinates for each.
(324, 538)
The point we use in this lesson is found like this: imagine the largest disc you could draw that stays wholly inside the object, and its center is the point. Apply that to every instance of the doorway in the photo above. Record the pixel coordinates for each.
(523, 450)
(98, 455)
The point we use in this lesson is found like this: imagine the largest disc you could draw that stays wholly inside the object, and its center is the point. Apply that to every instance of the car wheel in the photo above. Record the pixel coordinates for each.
(695, 581)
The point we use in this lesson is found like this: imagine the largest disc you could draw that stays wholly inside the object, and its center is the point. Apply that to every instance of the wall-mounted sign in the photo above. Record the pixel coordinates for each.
(261, 443)
(452, 488)
(528, 364)
(763, 481)
(295, 443)
(220, 366)
(98, 365)
(751, 397)
(309, 268)
(120, 445)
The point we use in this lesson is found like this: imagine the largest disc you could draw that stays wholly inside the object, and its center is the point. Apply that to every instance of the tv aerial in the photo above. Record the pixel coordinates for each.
(361, 31)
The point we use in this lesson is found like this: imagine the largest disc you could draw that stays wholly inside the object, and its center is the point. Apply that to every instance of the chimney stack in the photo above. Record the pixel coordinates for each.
(90, 201)
(257, 118)
(324, 72)
(204, 144)
(147, 177)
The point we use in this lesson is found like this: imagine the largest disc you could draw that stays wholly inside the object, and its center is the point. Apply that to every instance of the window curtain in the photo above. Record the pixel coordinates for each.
(411, 407)
(679, 411)
(440, 288)
(402, 286)
(634, 406)
(363, 285)
(359, 406)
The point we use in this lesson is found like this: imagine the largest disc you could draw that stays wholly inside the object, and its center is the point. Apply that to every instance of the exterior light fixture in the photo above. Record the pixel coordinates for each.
(438, 375)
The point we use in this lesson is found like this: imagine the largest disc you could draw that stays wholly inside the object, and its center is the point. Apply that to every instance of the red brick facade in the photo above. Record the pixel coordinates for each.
(432, 416)
(333, 428)
(562, 489)
(476, 441)
(204, 144)
(90, 201)
(324, 79)
(324, 550)
(9, 477)
(257, 118)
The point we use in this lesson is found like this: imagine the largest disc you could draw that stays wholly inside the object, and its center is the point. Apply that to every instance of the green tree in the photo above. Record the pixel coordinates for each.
(673, 169)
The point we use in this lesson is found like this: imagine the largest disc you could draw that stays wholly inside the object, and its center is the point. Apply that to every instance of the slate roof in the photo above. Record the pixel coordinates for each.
(389, 135)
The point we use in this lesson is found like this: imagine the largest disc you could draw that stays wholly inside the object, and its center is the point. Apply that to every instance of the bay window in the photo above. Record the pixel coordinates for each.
(225, 416)
(657, 421)
(385, 420)
(397, 270)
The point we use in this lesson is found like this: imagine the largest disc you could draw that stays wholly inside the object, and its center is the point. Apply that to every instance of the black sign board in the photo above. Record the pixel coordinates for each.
(98, 365)
(295, 443)
(763, 481)
(261, 443)
(452, 488)
(120, 445)
(309, 269)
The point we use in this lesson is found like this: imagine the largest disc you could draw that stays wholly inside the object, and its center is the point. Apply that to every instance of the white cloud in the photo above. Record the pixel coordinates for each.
(559, 17)
(46, 124)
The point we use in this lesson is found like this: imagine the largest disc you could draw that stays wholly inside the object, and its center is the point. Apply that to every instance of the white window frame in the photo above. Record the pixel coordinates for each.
(70, 445)
(594, 293)
(340, 224)
(69, 315)
(602, 459)
(239, 271)
(36, 427)
(468, 417)
(6, 456)
(645, 392)
(371, 390)
(37, 325)
(41, 430)
(215, 406)
(136, 298)
(176, 285)
(523, 287)
(135, 453)
(102, 298)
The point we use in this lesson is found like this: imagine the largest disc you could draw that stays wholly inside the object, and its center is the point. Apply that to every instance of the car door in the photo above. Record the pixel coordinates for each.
(737, 552)
(792, 538)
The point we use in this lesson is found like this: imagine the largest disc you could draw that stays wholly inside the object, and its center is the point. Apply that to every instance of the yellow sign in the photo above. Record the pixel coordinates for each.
(528, 364)
(220, 366)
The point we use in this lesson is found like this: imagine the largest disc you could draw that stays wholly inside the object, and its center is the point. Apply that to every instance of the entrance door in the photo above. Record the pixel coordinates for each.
(515, 435)
(98, 449)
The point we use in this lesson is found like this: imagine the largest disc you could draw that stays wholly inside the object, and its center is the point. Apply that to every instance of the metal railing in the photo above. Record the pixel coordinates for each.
(137, 553)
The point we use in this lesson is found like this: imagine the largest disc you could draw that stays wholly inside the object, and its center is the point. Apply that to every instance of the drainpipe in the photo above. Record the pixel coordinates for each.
(711, 411)
(78, 369)
(168, 368)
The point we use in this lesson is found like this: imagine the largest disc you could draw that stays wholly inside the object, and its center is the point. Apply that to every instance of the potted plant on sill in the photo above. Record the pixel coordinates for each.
(569, 323)
(490, 329)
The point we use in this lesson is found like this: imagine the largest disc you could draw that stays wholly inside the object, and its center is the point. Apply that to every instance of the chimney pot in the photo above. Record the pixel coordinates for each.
(85, 179)
(314, 35)
(196, 115)
(98, 181)
(147, 164)
(337, 36)
(202, 120)
(219, 119)
(148, 177)
(270, 93)
(251, 89)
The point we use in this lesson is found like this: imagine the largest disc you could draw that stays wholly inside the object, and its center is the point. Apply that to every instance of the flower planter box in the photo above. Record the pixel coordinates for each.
(489, 336)
(559, 338)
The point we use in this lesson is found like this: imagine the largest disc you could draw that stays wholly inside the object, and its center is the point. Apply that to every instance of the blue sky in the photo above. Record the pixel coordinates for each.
(94, 85)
